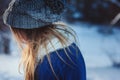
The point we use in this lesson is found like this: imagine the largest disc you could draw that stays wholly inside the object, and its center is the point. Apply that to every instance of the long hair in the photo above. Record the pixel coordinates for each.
(30, 41)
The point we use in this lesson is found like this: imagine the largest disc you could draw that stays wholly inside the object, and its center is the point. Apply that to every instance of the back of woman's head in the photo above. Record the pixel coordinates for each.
(33, 23)
(31, 41)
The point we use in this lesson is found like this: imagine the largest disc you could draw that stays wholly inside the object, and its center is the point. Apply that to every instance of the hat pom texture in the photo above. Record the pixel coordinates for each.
(56, 6)
(33, 13)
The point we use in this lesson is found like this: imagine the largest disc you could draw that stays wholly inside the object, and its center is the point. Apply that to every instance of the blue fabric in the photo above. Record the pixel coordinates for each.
(68, 70)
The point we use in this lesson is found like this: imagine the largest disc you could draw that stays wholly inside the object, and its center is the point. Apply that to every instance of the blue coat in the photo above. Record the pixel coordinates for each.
(72, 68)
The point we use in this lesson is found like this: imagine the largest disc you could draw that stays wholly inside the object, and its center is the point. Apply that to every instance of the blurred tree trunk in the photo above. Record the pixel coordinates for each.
(6, 43)
(3, 6)
(4, 30)
(87, 8)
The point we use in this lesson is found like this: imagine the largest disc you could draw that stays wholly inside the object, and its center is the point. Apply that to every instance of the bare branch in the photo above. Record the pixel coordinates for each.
(116, 19)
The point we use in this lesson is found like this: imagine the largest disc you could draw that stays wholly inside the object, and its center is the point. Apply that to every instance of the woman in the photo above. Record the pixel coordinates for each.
(49, 50)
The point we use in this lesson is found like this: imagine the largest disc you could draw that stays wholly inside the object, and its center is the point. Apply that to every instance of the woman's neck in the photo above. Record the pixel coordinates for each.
(51, 46)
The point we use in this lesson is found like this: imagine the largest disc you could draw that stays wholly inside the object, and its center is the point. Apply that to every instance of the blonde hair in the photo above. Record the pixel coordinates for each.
(30, 41)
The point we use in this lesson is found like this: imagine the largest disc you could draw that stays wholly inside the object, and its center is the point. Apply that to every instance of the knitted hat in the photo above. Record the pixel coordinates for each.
(30, 14)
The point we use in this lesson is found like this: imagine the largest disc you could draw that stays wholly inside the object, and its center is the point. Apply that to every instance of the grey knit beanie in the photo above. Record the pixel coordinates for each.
(30, 14)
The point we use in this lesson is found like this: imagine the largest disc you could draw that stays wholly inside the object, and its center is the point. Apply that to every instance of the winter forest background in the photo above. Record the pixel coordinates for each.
(97, 24)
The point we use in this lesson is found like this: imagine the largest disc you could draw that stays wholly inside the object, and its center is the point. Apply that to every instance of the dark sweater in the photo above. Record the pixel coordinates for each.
(72, 67)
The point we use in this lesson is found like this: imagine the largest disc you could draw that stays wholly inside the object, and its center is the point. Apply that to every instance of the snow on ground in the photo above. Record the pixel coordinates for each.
(93, 46)
(103, 73)
(9, 68)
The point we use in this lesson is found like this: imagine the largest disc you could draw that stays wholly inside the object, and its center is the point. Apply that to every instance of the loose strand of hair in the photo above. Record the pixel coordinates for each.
(49, 60)
(58, 53)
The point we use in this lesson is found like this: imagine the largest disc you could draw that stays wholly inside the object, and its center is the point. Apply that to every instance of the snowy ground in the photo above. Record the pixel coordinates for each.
(93, 45)
(103, 73)
(9, 68)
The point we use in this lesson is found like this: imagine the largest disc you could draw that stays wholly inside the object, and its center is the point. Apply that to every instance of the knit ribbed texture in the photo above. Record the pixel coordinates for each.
(30, 14)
